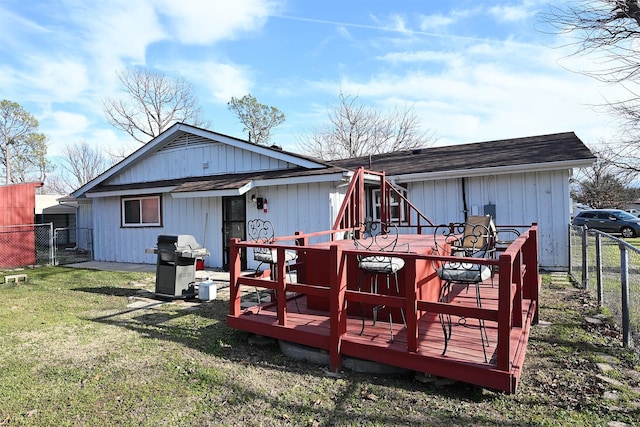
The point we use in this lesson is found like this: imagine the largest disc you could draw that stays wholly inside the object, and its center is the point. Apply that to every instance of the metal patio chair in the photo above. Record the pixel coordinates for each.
(472, 239)
(262, 231)
(377, 236)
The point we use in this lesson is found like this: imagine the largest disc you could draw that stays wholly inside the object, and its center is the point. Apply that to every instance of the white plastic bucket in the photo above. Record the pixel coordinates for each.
(206, 291)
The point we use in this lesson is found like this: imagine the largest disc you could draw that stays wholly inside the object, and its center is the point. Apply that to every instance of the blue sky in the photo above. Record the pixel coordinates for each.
(470, 70)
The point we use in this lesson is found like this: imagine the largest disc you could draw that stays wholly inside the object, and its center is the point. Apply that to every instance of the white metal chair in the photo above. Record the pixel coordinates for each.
(262, 231)
(378, 237)
(472, 239)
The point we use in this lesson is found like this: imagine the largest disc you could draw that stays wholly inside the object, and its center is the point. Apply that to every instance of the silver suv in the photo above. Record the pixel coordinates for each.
(609, 221)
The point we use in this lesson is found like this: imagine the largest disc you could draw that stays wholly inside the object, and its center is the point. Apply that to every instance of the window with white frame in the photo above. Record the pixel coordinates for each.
(398, 210)
(143, 211)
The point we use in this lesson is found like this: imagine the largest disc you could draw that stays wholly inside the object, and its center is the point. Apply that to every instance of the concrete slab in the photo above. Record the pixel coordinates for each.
(201, 275)
(114, 266)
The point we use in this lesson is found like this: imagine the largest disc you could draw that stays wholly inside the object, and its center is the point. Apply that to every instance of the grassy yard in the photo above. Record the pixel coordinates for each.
(75, 352)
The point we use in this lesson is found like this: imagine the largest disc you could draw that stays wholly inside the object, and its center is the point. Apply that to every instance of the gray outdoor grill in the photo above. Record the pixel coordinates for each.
(176, 265)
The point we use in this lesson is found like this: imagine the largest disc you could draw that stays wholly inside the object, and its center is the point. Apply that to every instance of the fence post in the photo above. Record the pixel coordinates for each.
(599, 269)
(624, 279)
(585, 277)
(52, 246)
(570, 250)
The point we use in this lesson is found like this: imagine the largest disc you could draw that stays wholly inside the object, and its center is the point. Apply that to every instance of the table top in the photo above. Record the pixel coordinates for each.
(418, 243)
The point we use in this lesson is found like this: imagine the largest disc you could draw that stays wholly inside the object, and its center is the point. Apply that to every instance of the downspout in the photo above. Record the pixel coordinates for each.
(464, 198)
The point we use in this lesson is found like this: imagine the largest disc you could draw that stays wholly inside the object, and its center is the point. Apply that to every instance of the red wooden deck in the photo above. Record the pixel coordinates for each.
(326, 315)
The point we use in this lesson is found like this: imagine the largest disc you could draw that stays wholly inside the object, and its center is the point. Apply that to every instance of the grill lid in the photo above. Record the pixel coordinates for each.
(182, 245)
(181, 241)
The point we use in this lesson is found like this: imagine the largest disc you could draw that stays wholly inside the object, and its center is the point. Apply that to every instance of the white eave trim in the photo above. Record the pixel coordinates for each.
(501, 170)
(260, 183)
(131, 192)
(339, 176)
(210, 193)
(214, 193)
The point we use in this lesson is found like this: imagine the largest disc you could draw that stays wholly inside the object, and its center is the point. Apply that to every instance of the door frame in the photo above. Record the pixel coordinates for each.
(226, 242)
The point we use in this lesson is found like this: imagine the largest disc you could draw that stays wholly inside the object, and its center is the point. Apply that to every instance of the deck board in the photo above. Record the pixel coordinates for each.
(464, 345)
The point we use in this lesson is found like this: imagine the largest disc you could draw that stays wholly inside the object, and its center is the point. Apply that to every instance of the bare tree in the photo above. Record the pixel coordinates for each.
(258, 119)
(609, 29)
(354, 129)
(81, 164)
(153, 103)
(604, 185)
(22, 149)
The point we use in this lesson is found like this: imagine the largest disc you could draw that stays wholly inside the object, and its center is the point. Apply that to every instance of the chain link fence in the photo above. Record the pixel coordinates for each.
(40, 244)
(23, 245)
(609, 268)
(72, 245)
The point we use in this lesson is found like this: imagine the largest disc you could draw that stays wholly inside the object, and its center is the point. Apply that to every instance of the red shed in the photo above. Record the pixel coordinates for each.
(17, 235)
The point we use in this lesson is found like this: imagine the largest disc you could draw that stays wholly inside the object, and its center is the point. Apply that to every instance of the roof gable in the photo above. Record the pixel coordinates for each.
(162, 151)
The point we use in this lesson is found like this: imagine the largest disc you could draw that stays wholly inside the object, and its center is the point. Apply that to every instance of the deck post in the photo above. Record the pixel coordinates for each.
(384, 216)
(531, 285)
(234, 270)
(361, 199)
(281, 287)
(410, 304)
(505, 273)
(301, 262)
(518, 281)
(337, 305)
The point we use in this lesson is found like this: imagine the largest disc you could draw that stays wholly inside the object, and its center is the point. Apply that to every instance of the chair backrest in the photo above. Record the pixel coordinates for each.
(375, 236)
(474, 238)
(505, 236)
(478, 232)
(260, 231)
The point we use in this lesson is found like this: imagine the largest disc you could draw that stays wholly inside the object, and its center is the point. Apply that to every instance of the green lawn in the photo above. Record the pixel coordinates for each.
(74, 352)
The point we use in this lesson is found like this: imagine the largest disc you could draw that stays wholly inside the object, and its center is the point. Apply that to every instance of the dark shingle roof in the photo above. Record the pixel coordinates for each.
(217, 182)
(560, 147)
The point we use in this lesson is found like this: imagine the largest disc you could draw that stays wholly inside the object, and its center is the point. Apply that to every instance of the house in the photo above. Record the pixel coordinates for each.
(51, 208)
(194, 181)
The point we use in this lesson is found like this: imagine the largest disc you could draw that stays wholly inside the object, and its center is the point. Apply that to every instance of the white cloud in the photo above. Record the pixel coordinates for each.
(71, 122)
(435, 22)
(204, 21)
(117, 33)
(515, 12)
(58, 81)
(420, 56)
(220, 80)
(62, 128)
(492, 91)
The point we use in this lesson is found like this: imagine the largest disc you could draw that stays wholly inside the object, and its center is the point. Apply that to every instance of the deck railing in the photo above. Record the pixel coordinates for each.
(517, 279)
(352, 210)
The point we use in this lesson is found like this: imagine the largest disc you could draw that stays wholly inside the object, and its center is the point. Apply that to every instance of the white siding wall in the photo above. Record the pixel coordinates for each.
(188, 162)
(520, 199)
(291, 208)
(84, 215)
(180, 216)
(303, 207)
